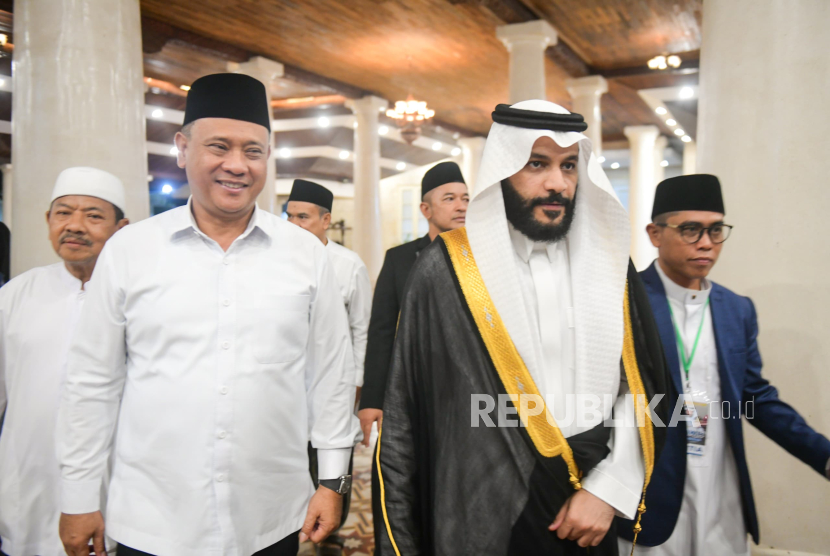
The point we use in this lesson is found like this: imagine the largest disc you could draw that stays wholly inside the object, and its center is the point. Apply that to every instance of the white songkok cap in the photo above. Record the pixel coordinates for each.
(92, 182)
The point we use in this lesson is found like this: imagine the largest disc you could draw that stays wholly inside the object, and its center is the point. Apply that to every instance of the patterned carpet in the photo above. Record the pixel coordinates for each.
(357, 532)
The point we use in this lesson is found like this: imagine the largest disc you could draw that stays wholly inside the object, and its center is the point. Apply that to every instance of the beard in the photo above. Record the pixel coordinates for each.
(519, 212)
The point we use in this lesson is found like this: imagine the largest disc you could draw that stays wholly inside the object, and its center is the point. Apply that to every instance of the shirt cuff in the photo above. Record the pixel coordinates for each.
(333, 463)
(80, 497)
(612, 492)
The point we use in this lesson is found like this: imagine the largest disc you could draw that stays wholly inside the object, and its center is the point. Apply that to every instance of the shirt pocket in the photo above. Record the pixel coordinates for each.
(280, 327)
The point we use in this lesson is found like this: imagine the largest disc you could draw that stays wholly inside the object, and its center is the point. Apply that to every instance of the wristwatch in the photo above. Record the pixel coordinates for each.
(341, 485)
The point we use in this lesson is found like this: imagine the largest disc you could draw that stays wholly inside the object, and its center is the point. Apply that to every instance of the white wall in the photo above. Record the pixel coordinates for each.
(763, 129)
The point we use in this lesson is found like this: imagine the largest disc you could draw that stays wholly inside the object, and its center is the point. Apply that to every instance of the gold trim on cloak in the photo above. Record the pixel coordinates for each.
(541, 427)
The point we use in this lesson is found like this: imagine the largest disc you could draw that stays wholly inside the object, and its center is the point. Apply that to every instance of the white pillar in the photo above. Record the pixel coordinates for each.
(8, 194)
(471, 150)
(641, 187)
(78, 100)
(660, 145)
(266, 71)
(586, 93)
(367, 240)
(689, 158)
(526, 43)
(762, 130)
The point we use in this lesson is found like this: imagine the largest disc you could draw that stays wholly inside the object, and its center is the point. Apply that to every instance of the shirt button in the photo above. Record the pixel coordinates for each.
(226, 262)
(222, 434)
(220, 477)
(226, 345)
(226, 302)
(224, 390)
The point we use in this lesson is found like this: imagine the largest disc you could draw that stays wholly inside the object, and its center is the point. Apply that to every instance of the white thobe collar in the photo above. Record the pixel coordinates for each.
(524, 246)
(69, 279)
(683, 295)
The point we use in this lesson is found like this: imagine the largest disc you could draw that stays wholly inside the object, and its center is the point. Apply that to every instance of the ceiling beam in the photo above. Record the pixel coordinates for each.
(686, 68)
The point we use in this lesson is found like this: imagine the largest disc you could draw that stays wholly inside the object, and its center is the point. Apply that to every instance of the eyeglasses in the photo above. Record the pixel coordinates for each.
(692, 233)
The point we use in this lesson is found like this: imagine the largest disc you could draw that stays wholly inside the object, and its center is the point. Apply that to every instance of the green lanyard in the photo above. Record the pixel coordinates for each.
(687, 361)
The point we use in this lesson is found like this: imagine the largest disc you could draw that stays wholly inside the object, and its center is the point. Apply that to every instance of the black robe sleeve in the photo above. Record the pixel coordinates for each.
(381, 336)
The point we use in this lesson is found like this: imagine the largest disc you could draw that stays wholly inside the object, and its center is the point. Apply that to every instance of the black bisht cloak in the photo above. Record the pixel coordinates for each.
(451, 489)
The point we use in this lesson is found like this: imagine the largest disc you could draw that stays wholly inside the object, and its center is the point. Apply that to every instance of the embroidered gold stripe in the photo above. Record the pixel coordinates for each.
(383, 499)
(514, 375)
(644, 423)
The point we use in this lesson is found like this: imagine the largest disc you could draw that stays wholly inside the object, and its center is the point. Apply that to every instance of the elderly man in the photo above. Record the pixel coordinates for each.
(215, 338)
(38, 313)
(309, 207)
(701, 502)
(534, 308)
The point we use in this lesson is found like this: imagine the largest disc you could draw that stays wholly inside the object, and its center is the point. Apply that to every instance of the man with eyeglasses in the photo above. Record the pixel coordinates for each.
(700, 499)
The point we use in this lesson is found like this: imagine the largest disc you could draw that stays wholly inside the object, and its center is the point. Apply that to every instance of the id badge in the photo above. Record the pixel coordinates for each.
(696, 407)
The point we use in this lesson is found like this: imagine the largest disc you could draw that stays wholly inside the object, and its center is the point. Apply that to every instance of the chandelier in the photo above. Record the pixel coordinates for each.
(663, 62)
(409, 115)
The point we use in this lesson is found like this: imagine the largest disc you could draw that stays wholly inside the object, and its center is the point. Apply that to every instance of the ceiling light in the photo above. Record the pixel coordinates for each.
(323, 121)
(344, 155)
(354, 125)
(664, 163)
(673, 61)
(409, 115)
(382, 130)
(167, 189)
(686, 139)
(687, 93)
(661, 111)
(679, 132)
(455, 152)
(157, 114)
(2, 82)
(149, 178)
(456, 135)
(400, 166)
(615, 165)
(184, 87)
(656, 62)
(436, 146)
(4, 38)
(671, 123)
(285, 152)
(173, 150)
(601, 159)
(382, 109)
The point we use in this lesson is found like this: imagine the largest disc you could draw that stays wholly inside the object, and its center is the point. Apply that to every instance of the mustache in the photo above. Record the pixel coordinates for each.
(74, 237)
(552, 198)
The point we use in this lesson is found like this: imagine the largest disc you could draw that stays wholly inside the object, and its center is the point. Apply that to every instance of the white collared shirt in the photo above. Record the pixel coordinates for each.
(711, 519)
(225, 365)
(356, 289)
(618, 479)
(38, 312)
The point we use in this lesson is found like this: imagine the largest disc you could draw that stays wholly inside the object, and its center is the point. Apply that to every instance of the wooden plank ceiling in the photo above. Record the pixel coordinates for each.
(446, 51)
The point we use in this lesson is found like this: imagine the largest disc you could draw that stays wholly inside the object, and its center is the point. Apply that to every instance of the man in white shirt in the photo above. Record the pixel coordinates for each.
(38, 313)
(700, 502)
(532, 307)
(309, 207)
(215, 337)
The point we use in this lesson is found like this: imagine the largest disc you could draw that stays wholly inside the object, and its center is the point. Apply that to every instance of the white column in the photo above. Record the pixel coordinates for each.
(8, 194)
(641, 187)
(586, 93)
(660, 145)
(689, 158)
(78, 100)
(471, 150)
(367, 226)
(526, 43)
(762, 130)
(266, 71)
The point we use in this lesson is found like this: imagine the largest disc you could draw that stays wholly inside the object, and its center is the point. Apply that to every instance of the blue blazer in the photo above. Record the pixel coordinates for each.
(739, 365)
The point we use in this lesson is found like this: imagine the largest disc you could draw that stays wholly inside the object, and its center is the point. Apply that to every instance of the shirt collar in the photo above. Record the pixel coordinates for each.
(524, 246)
(186, 221)
(69, 279)
(681, 294)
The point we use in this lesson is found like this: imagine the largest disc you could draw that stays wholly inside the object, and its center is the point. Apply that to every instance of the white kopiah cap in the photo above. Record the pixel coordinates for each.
(91, 182)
